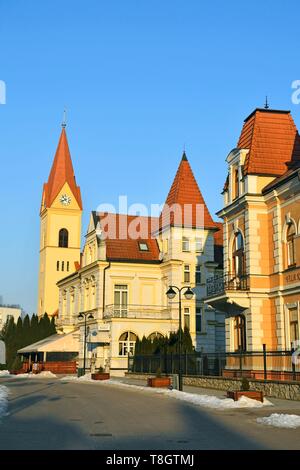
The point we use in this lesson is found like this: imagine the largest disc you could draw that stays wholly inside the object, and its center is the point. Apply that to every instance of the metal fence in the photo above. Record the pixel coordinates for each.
(261, 365)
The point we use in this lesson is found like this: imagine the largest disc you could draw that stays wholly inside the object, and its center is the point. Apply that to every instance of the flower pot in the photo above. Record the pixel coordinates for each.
(101, 376)
(159, 382)
(254, 394)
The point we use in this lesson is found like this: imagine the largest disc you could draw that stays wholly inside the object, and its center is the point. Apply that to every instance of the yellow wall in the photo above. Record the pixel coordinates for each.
(52, 220)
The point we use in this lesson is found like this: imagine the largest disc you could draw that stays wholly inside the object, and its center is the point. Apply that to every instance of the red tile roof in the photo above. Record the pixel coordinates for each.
(185, 191)
(273, 142)
(61, 172)
(123, 234)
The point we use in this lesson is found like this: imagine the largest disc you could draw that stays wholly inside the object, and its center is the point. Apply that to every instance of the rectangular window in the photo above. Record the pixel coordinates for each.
(57, 265)
(68, 266)
(198, 319)
(187, 318)
(187, 273)
(294, 325)
(120, 300)
(185, 244)
(198, 274)
(291, 252)
(62, 265)
(198, 245)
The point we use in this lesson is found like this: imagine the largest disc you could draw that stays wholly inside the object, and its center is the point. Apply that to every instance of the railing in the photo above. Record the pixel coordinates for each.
(260, 365)
(219, 284)
(159, 312)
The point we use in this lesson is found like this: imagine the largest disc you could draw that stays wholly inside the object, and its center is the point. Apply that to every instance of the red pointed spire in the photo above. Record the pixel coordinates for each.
(61, 172)
(185, 191)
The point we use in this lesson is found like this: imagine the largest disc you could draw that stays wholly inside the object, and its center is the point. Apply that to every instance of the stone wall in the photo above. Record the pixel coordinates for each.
(271, 388)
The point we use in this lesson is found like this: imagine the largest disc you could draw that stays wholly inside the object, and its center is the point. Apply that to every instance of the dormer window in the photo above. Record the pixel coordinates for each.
(143, 246)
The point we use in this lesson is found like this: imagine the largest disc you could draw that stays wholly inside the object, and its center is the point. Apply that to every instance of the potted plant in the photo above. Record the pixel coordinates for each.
(245, 392)
(101, 374)
(159, 381)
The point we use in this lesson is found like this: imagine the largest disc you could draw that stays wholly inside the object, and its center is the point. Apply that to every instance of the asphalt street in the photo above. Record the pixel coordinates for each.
(54, 414)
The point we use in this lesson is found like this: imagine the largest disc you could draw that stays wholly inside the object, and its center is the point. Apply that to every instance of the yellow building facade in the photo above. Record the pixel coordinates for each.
(260, 288)
(128, 264)
(60, 228)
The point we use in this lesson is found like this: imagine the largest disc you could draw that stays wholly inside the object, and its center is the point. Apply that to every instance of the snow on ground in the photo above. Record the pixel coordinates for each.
(3, 400)
(281, 421)
(4, 373)
(46, 374)
(208, 401)
(42, 375)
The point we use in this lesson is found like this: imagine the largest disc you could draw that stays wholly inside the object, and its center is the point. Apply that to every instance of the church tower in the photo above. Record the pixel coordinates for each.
(60, 231)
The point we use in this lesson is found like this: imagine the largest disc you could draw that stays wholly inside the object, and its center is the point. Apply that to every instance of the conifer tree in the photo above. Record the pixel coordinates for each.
(52, 326)
(26, 332)
(34, 329)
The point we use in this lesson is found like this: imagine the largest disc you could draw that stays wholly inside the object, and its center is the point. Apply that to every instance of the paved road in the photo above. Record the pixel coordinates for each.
(51, 414)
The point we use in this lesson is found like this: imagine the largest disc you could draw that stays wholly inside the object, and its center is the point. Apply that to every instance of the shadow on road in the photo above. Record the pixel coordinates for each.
(109, 418)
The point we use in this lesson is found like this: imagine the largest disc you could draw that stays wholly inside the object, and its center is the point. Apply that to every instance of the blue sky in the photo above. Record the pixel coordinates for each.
(140, 79)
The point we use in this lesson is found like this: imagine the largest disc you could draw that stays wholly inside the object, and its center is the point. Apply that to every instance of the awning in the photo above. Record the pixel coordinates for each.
(55, 343)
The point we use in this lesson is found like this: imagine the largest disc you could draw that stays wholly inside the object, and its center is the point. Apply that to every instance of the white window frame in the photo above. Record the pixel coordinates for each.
(121, 309)
(187, 270)
(198, 241)
(185, 244)
(187, 314)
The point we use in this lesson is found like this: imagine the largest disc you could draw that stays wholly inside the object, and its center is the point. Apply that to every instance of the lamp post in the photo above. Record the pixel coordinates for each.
(88, 316)
(188, 294)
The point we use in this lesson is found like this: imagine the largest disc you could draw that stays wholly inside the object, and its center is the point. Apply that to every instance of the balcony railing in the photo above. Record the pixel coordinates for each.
(158, 312)
(227, 282)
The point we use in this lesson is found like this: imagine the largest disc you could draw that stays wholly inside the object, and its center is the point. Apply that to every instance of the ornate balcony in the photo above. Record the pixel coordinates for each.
(228, 293)
(157, 312)
(227, 282)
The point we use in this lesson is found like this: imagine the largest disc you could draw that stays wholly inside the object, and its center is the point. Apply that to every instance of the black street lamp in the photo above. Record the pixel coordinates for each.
(188, 294)
(88, 316)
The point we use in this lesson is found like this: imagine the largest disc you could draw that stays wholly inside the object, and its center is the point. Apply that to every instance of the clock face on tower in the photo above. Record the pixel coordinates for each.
(65, 200)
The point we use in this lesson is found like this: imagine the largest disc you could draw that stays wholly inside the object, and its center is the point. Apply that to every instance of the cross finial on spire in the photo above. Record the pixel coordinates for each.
(266, 103)
(183, 153)
(64, 122)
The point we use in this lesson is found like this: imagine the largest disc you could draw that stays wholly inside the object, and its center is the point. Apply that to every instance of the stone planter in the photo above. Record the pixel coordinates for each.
(254, 394)
(159, 382)
(100, 376)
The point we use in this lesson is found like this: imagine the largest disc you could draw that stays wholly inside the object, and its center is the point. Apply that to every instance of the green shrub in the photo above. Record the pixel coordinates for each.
(245, 386)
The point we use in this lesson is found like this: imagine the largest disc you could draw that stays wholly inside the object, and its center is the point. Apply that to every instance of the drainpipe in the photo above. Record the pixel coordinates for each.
(103, 287)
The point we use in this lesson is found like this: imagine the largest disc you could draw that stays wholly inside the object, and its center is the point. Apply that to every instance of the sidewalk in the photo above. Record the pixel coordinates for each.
(280, 405)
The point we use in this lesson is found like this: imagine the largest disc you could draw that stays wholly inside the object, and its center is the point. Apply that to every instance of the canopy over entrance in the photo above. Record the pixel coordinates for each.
(55, 343)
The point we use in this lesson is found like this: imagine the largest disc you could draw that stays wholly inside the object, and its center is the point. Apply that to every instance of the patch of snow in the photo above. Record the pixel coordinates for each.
(45, 374)
(4, 373)
(279, 420)
(208, 401)
(42, 375)
(3, 400)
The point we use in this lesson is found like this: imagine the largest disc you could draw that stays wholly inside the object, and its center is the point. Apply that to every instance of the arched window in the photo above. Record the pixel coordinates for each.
(290, 242)
(127, 343)
(155, 335)
(240, 333)
(238, 255)
(63, 238)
